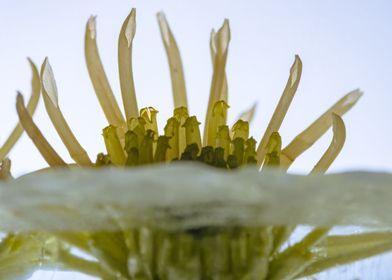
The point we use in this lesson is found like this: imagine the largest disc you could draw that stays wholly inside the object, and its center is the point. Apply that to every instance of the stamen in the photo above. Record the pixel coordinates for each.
(132, 145)
(190, 152)
(207, 155)
(238, 149)
(192, 132)
(181, 114)
(175, 63)
(312, 133)
(171, 131)
(217, 119)
(49, 92)
(43, 146)
(161, 150)
(149, 114)
(240, 129)
(273, 149)
(223, 140)
(127, 84)
(138, 126)
(146, 152)
(250, 151)
(98, 77)
(281, 108)
(31, 106)
(113, 145)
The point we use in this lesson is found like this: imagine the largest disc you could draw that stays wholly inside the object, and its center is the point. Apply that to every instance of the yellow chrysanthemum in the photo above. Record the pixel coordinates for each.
(183, 220)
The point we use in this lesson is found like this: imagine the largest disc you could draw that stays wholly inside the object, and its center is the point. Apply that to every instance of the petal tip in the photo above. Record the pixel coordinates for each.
(130, 29)
(92, 26)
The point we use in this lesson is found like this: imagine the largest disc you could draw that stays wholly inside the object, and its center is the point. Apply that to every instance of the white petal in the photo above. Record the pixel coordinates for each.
(189, 195)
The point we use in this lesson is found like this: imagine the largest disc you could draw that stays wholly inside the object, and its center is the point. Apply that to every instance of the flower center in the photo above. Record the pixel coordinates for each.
(225, 148)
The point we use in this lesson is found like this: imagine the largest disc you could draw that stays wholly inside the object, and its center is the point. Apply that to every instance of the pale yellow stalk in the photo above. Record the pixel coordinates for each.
(292, 261)
(281, 108)
(50, 96)
(98, 77)
(175, 63)
(225, 89)
(125, 42)
(31, 106)
(339, 137)
(222, 40)
(43, 146)
(344, 249)
(312, 133)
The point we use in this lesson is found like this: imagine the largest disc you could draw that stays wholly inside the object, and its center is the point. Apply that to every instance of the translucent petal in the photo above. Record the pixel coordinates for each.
(339, 250)
(46, 150)
(222, 40)
(98, 77)
(225, 91)
(31, 106)
(50, 96)
(125, 40)
(339, 137)
(175, 63)
(311, 134)
(281, 108)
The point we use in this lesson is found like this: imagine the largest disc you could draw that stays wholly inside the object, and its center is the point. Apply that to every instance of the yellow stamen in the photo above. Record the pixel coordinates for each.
(181, 114)
(171, 131)
(240, 129)
(192, 132)
(217, 119)
(113, 145)
(223, 140)
(149, 114)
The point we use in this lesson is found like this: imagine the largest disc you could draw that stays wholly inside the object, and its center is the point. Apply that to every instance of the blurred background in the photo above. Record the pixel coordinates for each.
(344, 45)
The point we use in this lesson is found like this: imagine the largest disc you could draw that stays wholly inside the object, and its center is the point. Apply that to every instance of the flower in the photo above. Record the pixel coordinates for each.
(184, 221)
